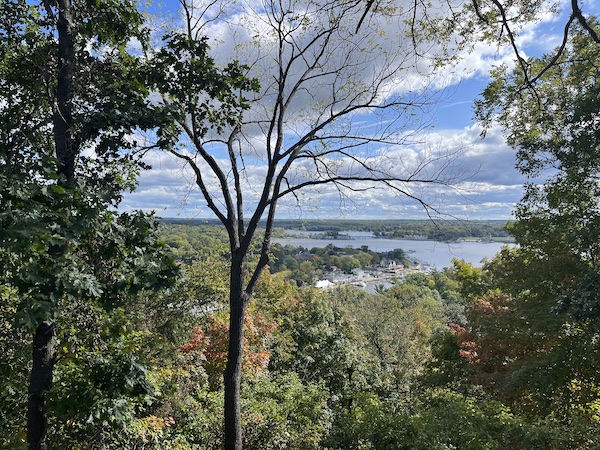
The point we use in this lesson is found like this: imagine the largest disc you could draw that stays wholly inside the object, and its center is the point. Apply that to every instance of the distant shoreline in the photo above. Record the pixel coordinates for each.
(398, 229)
(344, 236)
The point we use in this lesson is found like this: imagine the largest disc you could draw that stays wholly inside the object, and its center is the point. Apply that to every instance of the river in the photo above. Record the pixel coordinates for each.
(433, 253)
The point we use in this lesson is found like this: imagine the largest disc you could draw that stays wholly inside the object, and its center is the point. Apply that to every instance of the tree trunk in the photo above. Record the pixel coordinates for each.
(66, 150)
(44, 342)
(233, 371)
(44, 354)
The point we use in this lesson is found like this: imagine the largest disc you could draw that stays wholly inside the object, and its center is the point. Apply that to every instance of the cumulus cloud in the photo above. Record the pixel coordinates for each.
(379, 66)
(489, 186)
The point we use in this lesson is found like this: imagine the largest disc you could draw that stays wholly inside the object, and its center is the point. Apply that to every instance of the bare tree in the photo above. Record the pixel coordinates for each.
(338, 108)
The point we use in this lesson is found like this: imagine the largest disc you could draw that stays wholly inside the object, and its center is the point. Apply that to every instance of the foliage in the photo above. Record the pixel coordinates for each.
(551, 277)
(448, 366)
(504, 356)
(345, 369)
(316, 342)
(471, 280)
(212, 343)
(200, 288)
(443, 230)
(40, 211)
(283, 412)
(72, 101)
(394, 329)
(537, 325)
(182, 67)
(100, 381)
(15, 344)
(194, 242)
(437, 419)
(555, 129)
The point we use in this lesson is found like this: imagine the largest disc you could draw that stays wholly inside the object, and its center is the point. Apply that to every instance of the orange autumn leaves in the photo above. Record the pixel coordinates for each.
(212, 339)
(488, 344)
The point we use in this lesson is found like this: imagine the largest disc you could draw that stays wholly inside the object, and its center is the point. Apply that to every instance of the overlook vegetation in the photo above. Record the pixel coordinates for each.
(450, 359)
(118, 332)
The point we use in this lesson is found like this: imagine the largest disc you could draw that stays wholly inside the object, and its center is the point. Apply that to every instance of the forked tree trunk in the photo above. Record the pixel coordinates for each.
(238, 301)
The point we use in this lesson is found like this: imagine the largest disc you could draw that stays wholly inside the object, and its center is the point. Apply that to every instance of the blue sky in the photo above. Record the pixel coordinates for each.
(490, 185)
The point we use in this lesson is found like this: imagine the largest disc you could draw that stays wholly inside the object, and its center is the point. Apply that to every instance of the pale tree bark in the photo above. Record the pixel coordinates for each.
(44, 342)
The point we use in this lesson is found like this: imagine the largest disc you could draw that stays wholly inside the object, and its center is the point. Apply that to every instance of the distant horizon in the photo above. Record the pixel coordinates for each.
(217, 221)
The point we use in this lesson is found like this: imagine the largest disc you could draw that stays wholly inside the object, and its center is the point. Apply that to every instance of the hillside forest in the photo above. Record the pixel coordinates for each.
(467, 357)
(119, 330)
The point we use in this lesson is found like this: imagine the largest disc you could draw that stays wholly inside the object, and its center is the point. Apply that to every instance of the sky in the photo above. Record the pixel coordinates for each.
(488, 186)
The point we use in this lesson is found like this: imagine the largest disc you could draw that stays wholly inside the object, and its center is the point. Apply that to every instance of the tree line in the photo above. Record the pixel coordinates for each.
(440, 230)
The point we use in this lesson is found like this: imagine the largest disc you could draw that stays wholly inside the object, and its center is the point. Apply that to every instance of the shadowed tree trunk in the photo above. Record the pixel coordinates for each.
(44, 342)
(44, 353)
(238, 300)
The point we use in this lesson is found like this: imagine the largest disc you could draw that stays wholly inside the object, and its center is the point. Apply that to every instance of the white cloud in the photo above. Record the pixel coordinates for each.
(488, 185)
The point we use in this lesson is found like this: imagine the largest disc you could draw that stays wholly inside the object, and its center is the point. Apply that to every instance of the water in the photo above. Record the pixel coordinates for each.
(433, 253)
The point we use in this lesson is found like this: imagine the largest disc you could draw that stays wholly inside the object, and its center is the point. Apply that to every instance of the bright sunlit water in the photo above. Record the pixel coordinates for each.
(437, 254)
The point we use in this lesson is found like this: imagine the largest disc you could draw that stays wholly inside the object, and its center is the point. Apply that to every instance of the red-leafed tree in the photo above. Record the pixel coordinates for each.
(212, 342)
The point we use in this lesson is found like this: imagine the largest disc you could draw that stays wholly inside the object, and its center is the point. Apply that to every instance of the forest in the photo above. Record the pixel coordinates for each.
(464, 358)
(119, 330)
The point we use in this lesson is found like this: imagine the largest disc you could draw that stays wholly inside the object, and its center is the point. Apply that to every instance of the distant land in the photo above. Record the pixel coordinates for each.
(442, 230)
